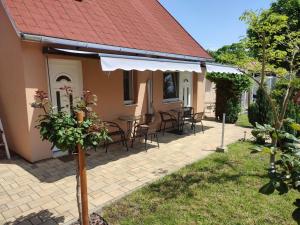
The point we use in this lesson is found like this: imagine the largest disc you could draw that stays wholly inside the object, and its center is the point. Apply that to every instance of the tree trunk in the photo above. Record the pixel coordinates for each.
(263, 64)
(273, 157)
(78, 197)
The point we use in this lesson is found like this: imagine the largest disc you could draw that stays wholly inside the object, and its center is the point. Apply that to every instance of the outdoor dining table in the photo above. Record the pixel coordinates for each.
(179, 116)
(130, 120)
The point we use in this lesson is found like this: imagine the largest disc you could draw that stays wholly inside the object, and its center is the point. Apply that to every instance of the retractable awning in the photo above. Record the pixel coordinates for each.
(221, 68)
(111, 62)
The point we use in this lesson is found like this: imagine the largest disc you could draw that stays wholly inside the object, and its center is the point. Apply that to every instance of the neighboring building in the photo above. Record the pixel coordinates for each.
(147, 61)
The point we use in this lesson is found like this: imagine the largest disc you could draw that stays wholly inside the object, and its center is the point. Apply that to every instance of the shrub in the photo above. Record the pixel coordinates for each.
(252, 112)
(233, 108)
(260, 112)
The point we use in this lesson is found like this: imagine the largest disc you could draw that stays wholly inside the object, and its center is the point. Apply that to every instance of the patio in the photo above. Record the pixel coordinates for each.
(44, 192)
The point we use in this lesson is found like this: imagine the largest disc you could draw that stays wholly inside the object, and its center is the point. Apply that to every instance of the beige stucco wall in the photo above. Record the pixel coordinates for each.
(12, 93)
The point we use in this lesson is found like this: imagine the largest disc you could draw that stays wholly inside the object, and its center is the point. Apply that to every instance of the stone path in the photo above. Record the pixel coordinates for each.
(44, 192)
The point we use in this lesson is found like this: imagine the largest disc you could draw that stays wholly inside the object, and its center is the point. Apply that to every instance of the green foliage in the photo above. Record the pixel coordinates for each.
(262, 133)
(233, 54)
(240, 82)
(293, 109)
(233, 108)
(290, 8)
(252, 112)
(287, 175)
(228, 94)
(62, 129)
(260, 112)
(263, 34)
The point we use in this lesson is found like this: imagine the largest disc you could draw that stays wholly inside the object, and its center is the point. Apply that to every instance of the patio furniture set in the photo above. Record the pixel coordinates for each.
(144, 127)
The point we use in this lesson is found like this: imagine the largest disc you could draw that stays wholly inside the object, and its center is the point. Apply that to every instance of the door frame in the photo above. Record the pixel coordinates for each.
(182, 77)
(72, 62)
(54, 61)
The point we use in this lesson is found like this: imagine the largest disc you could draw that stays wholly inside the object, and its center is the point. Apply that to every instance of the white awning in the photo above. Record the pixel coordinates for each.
(222, 68)
(111, 62)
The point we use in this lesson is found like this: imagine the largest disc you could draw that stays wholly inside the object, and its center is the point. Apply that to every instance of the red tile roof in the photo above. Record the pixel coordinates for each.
(139, 24)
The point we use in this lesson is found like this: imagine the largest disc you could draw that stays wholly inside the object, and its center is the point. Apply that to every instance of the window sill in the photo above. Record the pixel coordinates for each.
(169, 101)
(130, 104)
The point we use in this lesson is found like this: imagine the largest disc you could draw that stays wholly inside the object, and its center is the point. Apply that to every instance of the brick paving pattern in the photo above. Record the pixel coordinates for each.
(44, 193)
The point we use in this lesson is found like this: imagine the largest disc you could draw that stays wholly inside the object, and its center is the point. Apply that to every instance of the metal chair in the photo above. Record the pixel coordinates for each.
(166, 118)
(140, 130)
(146, 129)
(197, 118)
(114, 130)
(187, 115)
(152, 131)
(4, 142)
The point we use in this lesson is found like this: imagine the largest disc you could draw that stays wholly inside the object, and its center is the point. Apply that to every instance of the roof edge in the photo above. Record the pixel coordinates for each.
(2, 2)
(89, 45)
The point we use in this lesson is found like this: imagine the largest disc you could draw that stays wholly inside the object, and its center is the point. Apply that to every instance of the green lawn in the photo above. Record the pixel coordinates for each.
(243, 121)
(221, 189)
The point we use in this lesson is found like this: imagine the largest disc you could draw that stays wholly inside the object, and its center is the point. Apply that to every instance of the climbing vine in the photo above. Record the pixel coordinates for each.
(229, 89)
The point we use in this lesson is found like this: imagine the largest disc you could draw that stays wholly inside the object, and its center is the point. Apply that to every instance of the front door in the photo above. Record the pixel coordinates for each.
(64, 73)
(186, 88)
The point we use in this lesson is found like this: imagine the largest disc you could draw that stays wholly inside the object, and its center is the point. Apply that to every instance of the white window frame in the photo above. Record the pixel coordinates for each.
(131, 86)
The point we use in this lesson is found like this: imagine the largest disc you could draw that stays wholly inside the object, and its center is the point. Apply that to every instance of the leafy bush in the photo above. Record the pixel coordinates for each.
(233, 108)
(252, 112)
(260, 112)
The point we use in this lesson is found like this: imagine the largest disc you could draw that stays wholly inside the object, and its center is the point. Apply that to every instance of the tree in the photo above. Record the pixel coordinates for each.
(263, 37)
(291, 9)
(267, 32)
(75, 132)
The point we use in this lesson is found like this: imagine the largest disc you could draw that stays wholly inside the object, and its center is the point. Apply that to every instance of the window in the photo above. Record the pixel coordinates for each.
(128, 87)
(171, 89)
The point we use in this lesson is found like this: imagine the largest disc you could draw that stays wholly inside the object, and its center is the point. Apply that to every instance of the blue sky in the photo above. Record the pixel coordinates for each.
(213, 23)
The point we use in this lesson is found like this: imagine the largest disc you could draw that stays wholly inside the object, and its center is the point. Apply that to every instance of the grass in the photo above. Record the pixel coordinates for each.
(221, 189)
(243, 121)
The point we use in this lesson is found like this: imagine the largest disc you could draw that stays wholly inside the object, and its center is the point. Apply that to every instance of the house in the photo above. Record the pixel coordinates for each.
(132, 54)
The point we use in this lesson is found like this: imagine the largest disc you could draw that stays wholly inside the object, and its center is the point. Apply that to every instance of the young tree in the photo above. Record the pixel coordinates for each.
(272, 40)
(76, 132)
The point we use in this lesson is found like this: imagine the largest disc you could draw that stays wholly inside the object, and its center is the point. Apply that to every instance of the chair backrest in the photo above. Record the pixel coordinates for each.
(188, 111)
(149, 118)
(112, 126)
(198, 116)
(164, 115)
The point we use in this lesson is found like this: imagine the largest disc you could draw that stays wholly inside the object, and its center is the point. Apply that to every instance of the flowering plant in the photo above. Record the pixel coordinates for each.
(62, 129)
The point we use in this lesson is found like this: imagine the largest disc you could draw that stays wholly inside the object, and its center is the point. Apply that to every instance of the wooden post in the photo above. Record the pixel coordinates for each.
(83, 179)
